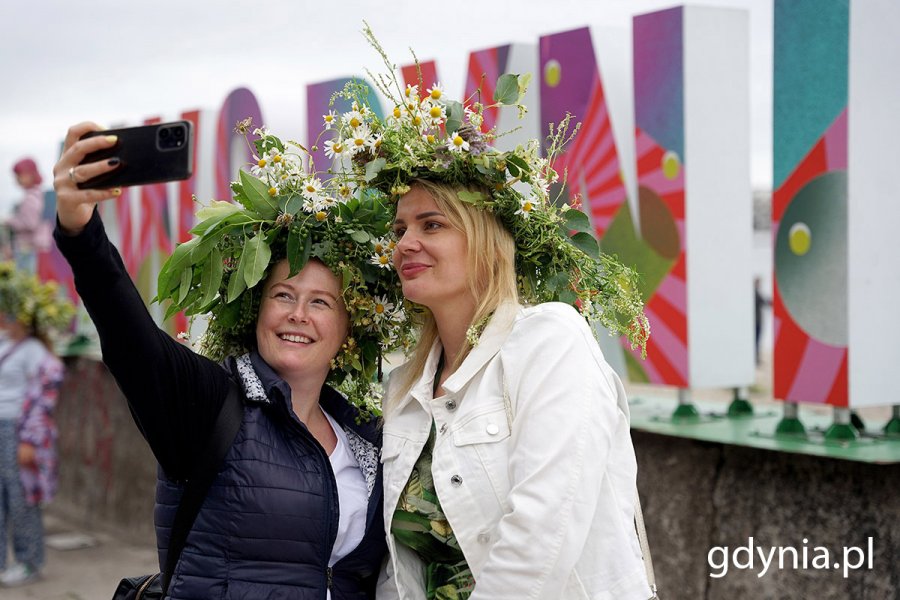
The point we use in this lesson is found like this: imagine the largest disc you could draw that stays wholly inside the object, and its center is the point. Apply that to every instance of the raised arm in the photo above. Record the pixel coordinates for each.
(173, 393)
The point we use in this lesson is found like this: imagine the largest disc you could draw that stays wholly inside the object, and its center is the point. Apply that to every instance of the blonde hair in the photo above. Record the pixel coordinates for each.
(490, 268)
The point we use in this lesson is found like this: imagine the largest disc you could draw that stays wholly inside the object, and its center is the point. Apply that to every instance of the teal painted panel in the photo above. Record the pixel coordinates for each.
(810, 76)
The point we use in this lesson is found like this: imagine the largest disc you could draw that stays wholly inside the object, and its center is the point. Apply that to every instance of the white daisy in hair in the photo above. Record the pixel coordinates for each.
(330, 119)
(381, 309)
(456, 143)
(336, 148)
(359, 139)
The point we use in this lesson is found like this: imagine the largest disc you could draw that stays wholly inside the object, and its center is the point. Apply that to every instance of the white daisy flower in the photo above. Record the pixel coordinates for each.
(354, 118)
(412, 92)
(435, 114)
(345, 192)
(262, 166)
(525, 208)
(456, 143)
(358, 140)
(417, 121)
(384, 245)
(380, 260)
(313, 206)
(312, 188)
(374, 143)
(436, 91)
(382, 309)
(335, 148)
(541, 187)
(398, 116)
(330, 119)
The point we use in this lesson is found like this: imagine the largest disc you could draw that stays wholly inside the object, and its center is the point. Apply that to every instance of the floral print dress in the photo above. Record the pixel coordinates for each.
(37, 427)
(419, 523)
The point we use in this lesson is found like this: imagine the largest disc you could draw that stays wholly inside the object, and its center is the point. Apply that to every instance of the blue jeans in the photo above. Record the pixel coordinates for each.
(15, 513)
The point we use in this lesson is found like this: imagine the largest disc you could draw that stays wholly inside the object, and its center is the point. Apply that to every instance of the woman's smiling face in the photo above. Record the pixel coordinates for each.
(302, 320)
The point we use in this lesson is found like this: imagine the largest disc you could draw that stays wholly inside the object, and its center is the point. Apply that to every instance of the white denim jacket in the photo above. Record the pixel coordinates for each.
(539, 489)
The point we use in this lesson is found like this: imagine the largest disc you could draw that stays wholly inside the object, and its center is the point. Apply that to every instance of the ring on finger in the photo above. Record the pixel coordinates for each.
(72, 175)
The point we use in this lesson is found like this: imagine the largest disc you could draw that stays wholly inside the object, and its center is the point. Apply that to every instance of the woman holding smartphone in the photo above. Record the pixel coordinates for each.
(295, 508)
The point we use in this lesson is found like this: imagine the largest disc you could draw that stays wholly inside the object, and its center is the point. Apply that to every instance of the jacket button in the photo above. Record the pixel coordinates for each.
(492, 429)
(484, 537)
(450, 405)
(456, 480)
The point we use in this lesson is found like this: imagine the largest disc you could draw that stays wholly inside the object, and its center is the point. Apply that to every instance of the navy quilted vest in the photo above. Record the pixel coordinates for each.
(268, 523)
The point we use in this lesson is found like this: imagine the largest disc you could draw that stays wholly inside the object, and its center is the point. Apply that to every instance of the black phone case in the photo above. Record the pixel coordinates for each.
(142, 160)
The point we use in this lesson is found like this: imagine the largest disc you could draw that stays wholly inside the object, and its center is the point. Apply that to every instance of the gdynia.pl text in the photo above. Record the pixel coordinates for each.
(752, 556)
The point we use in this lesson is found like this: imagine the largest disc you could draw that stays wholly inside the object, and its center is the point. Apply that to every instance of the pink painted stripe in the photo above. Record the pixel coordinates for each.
(652, 374)
(836, 146)
(682, 238)
(818, 369)
(597, 121)
(644, 144)
(591, 123)
(656, 181)
(595, 155)
(602, 173)
(674, 291)
(668, 343)
(610, 198)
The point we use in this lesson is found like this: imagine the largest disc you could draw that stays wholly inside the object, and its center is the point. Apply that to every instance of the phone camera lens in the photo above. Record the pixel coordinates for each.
(164, 133)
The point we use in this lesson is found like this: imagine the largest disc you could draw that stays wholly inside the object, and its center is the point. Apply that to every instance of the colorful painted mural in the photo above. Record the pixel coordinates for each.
(809, 205)
(659, 134)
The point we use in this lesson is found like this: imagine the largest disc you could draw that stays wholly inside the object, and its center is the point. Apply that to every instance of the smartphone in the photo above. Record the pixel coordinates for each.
(147, 154)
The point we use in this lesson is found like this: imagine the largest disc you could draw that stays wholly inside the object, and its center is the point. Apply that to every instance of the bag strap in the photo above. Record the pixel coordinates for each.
(9, 352)
(645, 546)
(225, 428)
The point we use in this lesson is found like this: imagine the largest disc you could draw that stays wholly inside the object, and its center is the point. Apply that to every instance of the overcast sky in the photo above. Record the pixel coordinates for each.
(121, 61)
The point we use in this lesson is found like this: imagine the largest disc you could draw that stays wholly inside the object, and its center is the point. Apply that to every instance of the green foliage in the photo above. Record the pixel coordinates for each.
(40, 306)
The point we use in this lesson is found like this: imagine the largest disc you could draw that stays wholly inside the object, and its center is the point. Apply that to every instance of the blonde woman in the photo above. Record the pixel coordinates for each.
(509, 468)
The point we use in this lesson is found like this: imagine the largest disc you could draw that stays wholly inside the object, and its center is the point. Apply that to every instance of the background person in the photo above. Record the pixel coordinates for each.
(30, 377)
(760, 302)
(30, 232)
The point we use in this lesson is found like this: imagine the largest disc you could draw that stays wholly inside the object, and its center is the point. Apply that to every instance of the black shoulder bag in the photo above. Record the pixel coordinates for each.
(154, 587)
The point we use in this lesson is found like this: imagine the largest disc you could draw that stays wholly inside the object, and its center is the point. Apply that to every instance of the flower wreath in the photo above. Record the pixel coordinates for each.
(426, 136)
(32, 303)
(283, 210)
(343, 217)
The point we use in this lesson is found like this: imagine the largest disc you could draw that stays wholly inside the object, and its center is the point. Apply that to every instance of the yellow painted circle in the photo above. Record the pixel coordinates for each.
(799, 238)
(671, 165)
(552, 72)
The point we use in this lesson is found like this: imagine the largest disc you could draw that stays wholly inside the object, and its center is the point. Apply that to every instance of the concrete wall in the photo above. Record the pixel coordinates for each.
(698, 495)
(695, 496)
(107, 473)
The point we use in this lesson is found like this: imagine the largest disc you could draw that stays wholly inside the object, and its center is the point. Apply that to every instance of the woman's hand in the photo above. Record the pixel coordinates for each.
(27, 455)
(74, 206)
